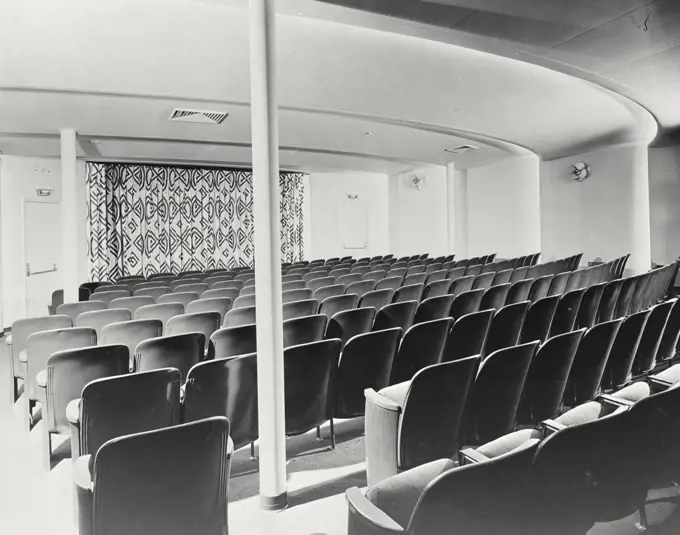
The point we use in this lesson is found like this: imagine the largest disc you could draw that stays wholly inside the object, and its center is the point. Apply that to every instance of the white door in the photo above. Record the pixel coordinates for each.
(353, 226)
(42, 255)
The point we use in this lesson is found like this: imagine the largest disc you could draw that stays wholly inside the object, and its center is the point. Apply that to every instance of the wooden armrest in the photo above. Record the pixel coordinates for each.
(471, 456)
(608, 399)
(41, 378)
(73, 411)
(362, 511)
(381, 401)
(551, 426)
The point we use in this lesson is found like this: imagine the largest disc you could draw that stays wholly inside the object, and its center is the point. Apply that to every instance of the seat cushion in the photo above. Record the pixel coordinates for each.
(398, 495)
(396, 393)
(582, 414)
(636, 391)
(508, 443)
(671, 375)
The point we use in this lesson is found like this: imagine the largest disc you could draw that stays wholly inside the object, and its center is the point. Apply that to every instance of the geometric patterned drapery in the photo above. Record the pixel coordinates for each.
(145, 219)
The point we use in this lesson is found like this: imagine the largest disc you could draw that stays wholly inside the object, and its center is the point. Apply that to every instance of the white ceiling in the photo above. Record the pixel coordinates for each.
(115, 69)
(631, 46)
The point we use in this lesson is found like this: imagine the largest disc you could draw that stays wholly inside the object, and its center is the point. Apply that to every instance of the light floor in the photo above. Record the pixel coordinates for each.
(34, 501)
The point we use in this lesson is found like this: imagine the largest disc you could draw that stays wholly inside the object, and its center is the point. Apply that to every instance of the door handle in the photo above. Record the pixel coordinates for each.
(29, 272)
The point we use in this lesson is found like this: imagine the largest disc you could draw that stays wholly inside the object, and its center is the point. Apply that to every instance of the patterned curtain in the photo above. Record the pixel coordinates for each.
(151, 219)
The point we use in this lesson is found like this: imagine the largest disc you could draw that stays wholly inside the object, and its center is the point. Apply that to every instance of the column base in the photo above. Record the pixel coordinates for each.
(274, 503)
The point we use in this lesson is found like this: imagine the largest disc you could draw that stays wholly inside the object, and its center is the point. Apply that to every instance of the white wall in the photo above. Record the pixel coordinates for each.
(19, 177)
(503, 208)
(327, 191)
(605, 216)
(418, 217)
(664, 198)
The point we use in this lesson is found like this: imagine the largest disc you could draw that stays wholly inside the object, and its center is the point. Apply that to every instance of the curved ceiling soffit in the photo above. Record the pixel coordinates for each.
(512, 148)
(649, 125)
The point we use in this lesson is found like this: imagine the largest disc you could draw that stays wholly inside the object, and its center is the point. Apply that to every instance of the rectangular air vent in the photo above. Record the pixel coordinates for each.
(461, 149)
(198, 116)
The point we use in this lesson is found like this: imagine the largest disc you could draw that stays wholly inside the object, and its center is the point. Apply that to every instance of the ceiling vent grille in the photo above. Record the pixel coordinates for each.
(460, 149)
(198, 116)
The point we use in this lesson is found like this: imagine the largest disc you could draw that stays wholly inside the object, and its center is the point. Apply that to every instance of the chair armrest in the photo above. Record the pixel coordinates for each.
(23, 356)
(381, 429)
(658, 385)
(614, 401)
(365, 518)
(84, 487)
(41, 378)
(73, 411)
(381, 401)
(551, 426)
(470, 456)
(8, 339)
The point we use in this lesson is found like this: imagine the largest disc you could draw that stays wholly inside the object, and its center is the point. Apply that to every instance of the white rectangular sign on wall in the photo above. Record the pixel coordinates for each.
(353, 224)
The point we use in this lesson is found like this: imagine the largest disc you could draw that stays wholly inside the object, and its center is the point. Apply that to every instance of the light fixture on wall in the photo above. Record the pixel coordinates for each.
(417, 181)
(580, 171)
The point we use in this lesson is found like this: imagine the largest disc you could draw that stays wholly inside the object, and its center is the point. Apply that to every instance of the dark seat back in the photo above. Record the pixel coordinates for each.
(506, 327)
(538, 320)
(126, 404)
(467, 336)
(590, 361)
(338, 303)
(566, 312)
(131, 333)
(365, 362)
(466, 303)
(412, 292)
(399, 314)
(346, 324)
(205, 323)
(304, 330)
(495, 397)
(98, 319)
(620, 362)
(233, 341)
(42, 344)
(421, 346)
(432, 412)
(433, 308)
(495, 297)
(221, 305)
(180, 351)
(547, 378)
(70, 370)
(136, 480)
(225, 387)
(645, 356)
(311, 379)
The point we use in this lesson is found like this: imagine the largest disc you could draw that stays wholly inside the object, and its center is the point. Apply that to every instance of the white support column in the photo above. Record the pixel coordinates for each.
(267, 255)
(450, 208)
(69, 216)
(460, 212)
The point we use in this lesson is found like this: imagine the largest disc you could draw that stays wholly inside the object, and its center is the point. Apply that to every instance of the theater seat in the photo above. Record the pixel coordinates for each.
(172, 481)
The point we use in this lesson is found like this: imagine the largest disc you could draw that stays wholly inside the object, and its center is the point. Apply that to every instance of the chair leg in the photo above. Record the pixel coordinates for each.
(252, 452)
(15, 389)
(332, 435)
(47, 447)
(318, 435)
(31, 406)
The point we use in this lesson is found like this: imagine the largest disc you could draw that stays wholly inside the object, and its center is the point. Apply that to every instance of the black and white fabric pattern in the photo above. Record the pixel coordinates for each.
(145, 219)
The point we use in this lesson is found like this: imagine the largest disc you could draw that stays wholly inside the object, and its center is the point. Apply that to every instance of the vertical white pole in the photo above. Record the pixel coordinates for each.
(450, 208)
(460, 197)
(69, 217)
(267, 255)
